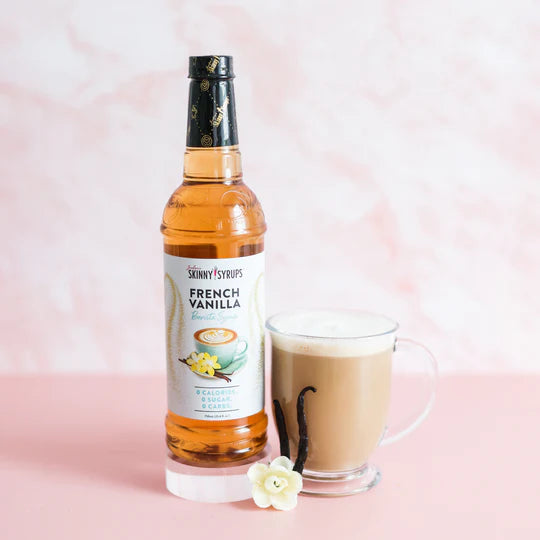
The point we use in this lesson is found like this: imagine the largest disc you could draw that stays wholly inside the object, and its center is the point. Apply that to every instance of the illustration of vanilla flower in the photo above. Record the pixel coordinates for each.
(203, 363)
(276, 484)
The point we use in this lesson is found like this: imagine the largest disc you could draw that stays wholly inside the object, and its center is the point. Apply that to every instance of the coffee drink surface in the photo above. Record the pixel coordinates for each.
(215, 336)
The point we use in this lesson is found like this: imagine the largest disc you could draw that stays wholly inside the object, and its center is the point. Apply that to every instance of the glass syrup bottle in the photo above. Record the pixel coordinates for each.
(213, 228)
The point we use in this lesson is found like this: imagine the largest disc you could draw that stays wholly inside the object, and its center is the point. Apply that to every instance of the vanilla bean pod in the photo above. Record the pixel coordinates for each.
(284, 449)
(302, 431)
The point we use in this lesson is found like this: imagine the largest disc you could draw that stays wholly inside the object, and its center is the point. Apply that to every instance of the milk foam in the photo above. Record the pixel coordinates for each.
(216, 336)
(332, 333)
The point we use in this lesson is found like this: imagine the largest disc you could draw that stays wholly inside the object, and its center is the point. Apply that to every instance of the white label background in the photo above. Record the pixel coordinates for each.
(200, 397)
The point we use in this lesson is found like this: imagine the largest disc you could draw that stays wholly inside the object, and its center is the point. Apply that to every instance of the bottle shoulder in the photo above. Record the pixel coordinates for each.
(213, 208)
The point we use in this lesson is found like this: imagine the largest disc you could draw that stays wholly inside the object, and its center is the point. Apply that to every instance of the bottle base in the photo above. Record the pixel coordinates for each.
(211, 483)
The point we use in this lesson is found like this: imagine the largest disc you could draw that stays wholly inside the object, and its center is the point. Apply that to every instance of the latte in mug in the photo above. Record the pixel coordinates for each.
(347, 357)
(347, 416)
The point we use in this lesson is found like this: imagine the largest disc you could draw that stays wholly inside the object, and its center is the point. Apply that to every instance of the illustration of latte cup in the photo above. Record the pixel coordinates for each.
(222, 342)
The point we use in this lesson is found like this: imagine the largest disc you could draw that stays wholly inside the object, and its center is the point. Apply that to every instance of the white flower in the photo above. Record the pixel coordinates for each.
(276, 484)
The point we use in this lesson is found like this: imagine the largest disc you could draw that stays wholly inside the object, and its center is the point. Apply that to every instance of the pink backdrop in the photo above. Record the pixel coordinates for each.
(394, 146)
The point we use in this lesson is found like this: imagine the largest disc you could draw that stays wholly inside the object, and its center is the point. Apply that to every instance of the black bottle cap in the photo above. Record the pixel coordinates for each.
(211, 67)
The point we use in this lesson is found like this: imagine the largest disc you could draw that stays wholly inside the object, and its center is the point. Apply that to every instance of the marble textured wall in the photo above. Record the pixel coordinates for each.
(394, 146)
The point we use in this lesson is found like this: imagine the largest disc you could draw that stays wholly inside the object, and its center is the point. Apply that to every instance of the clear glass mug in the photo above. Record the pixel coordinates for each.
(347, 356)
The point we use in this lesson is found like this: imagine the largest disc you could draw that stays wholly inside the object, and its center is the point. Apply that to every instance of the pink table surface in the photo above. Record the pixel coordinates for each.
(83, 457)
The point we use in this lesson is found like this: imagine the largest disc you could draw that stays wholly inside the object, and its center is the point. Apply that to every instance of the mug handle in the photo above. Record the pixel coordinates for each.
(430, 375)
(245, 343)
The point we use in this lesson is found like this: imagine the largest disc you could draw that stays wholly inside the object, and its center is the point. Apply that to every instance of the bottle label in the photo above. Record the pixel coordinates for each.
(214, 311)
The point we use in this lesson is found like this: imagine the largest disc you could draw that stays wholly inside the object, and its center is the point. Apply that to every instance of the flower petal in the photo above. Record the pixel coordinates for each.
(295, 482)
(284, 501)
(283, 463)
(261, 498)
(257, 472)
(210, 370)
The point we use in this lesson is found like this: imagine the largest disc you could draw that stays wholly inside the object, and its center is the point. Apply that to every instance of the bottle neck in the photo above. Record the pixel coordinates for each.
(212, 134)
(218, 164)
